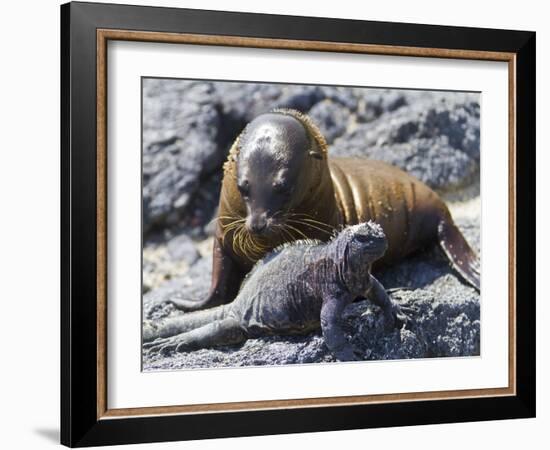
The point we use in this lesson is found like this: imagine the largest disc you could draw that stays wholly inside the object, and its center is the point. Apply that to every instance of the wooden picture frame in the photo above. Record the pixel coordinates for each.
(85, 416)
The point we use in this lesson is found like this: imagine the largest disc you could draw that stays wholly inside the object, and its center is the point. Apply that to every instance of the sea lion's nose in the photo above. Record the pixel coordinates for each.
(257, 223)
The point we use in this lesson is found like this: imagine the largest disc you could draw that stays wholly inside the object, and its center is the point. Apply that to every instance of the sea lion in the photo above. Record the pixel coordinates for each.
(279, 185)
(295, 289)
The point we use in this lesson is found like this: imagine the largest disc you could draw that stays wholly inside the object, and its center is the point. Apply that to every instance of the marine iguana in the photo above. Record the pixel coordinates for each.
(293, 290)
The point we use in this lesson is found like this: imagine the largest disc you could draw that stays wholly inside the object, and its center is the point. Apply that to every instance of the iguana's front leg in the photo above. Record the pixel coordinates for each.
(394, 315)
(331, 325)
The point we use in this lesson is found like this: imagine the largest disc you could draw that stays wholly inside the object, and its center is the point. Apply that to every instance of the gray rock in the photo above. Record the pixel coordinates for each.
(301, 98)
(435, 138)
(332, 118)
(194, 285)
(183, 248)
(376, 102)
(181, 144)
(432, 161)
(244, 101)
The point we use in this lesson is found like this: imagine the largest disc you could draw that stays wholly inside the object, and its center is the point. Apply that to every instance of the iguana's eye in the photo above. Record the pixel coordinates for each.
(281, 188)
(362, 237)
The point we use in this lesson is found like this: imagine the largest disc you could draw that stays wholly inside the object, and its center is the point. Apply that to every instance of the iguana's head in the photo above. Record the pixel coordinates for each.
(359, 247)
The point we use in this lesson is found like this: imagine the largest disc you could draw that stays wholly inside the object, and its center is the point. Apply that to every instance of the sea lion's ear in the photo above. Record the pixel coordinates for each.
(316, 154)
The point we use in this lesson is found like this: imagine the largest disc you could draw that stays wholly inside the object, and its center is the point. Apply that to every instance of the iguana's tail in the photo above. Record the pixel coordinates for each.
(463, 259)
(170, 326)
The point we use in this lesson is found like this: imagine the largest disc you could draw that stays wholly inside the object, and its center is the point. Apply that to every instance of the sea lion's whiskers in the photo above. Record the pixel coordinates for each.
(259, 245)
(243, 246)
(237, 239)
(226, 229)
(297, 230)
(285, 234)
(310, 222)
(293, 237)
(316, 222)
(234, 220)
(229, 217)
(234, 240)
(231, 227)
(299, 222)
(309, 218)
(248, 246)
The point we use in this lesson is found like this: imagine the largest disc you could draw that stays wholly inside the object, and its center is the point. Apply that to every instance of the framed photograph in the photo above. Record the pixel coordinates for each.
(277, 224)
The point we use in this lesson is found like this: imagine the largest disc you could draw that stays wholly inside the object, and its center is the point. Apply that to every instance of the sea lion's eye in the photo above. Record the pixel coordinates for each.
(243, 187)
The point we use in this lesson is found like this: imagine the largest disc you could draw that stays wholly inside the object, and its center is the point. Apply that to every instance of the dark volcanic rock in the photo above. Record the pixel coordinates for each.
(194, 285)
(379, 101)
(244, 101)
(183, 248)
(181, 144)
(332, 118)
(436, 139)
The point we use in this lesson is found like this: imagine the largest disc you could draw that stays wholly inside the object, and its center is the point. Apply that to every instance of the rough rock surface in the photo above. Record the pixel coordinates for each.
(188, 127)
(436, 140)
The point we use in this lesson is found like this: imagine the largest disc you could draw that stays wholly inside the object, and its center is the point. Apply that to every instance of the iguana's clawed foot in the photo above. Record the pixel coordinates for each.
(167, 346)
(399, 317)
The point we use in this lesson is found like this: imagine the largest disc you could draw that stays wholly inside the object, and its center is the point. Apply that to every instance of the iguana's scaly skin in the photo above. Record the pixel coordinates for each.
(293, 290)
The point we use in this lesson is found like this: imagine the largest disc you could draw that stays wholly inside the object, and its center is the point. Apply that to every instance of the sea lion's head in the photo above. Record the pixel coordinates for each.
(358, 247)
(273, 168)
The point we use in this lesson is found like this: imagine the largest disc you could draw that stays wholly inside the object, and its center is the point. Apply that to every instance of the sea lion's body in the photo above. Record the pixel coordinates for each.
(407, 209)
(327, 194)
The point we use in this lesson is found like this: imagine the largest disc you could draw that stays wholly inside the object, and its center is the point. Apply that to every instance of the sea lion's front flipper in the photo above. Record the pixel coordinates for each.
(218, 333)
(331, 325)
(462, 257)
